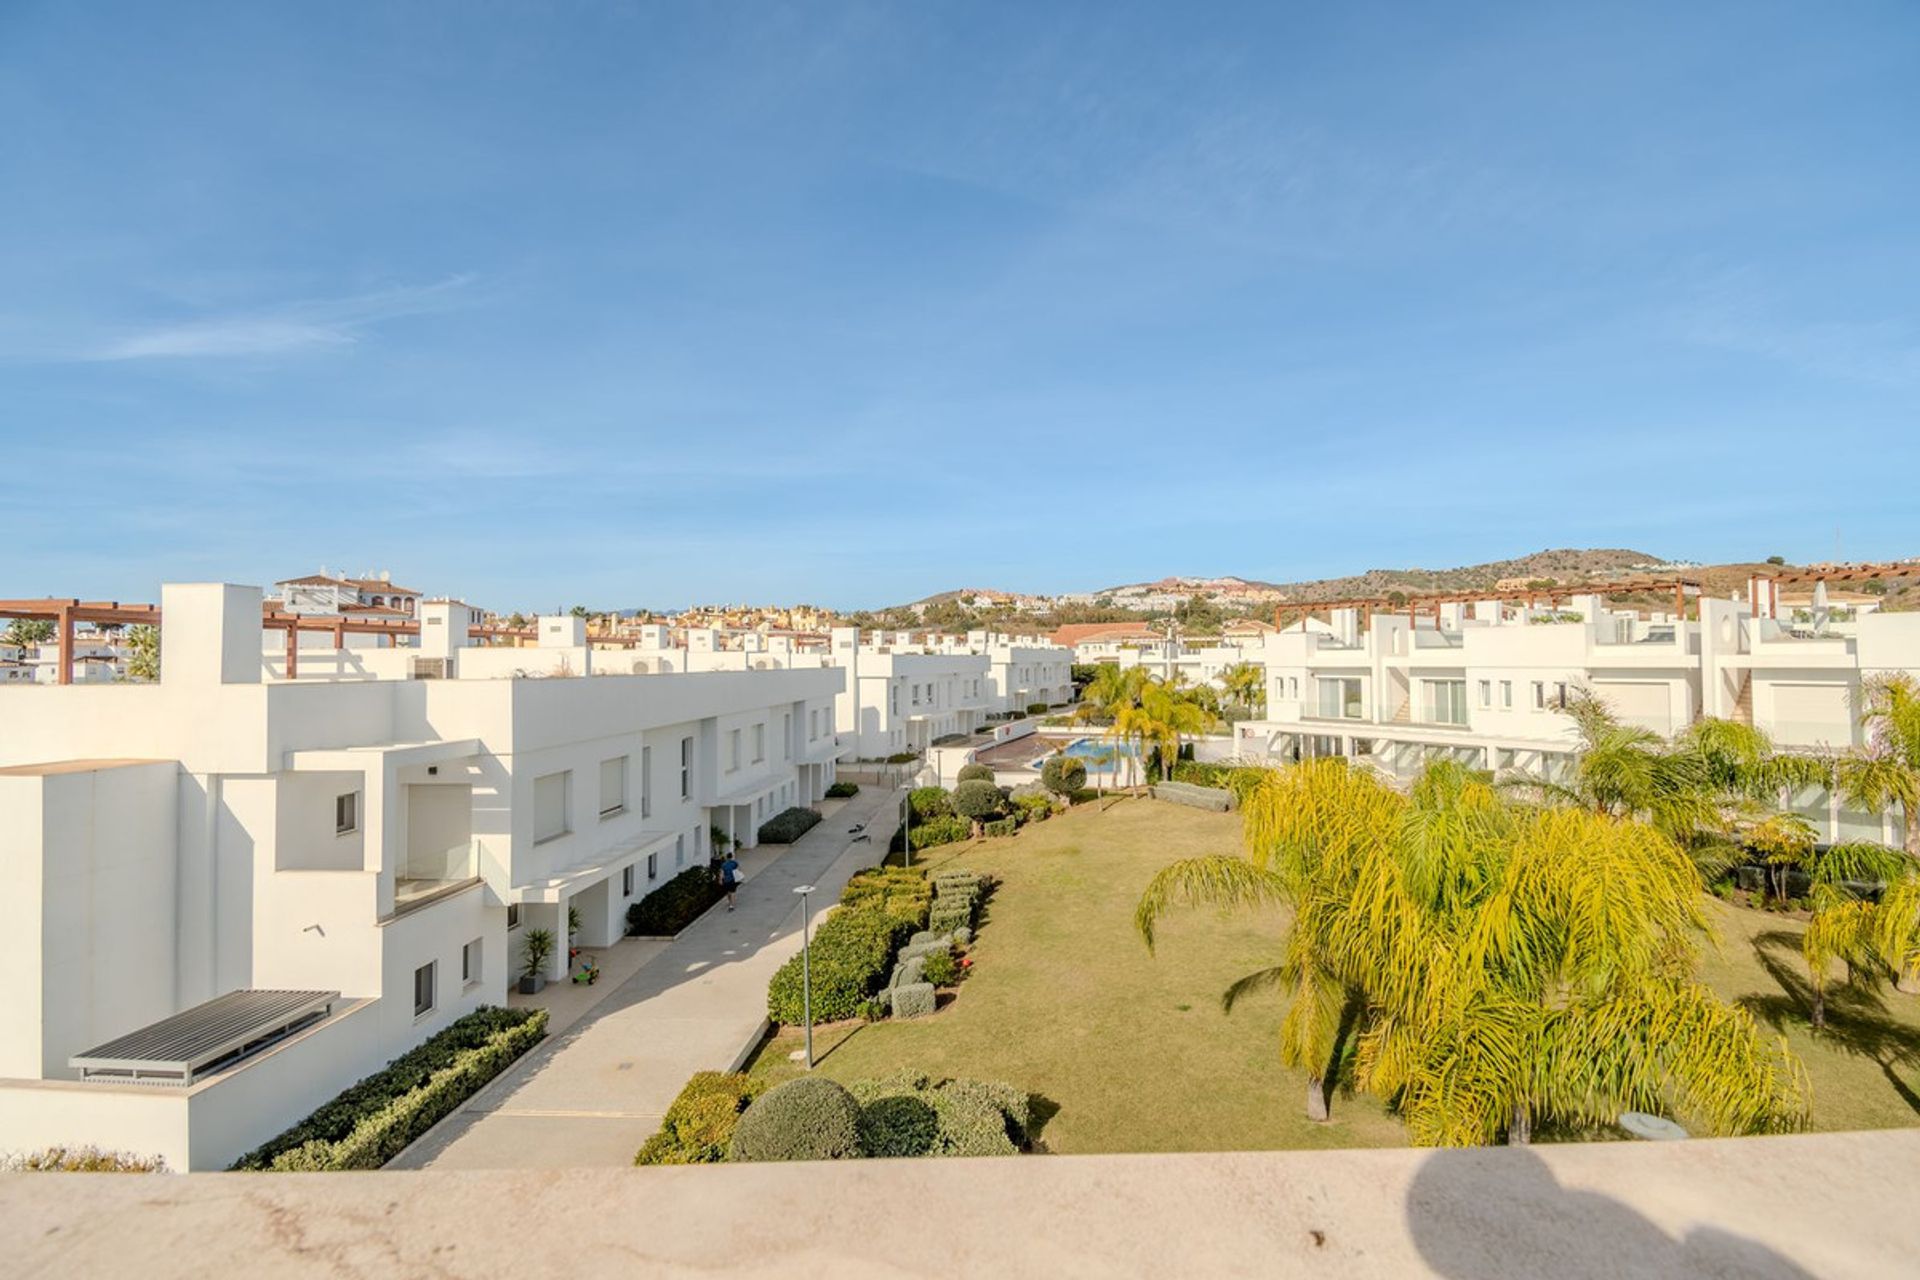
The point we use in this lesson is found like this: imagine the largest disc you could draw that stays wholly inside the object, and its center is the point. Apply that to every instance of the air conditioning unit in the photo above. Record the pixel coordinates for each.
(429, 668)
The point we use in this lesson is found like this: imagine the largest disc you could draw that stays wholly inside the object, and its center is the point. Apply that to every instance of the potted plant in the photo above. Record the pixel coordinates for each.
(539, 945)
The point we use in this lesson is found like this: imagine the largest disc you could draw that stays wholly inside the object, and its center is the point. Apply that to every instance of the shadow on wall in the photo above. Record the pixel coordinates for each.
(1500, 1212)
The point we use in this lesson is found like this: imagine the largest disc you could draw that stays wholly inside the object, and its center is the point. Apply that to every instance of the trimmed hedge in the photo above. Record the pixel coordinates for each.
(968, 772)
(1202, 775)
(675, 904)
(930, 802)
(1033, 808)
(808, 1118)
(699, 1123)
(788, 826)
(901, 892)
(853, 952)
(373, 1121)
(1037, 708)
(945, 829)
(1000, 827)
(898, 1125)
(971, 1117)
(842, 790)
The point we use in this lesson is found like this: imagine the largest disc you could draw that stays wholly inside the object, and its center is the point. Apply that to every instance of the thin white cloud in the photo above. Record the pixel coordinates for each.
(292, 327)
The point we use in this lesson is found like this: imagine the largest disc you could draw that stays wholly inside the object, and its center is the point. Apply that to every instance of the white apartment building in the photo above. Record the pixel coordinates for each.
(1023, 671)
(234, 895)
(1485, 683)
(330, 593)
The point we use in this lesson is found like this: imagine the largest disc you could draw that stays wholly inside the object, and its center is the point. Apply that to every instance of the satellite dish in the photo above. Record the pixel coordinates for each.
(1651, 1128)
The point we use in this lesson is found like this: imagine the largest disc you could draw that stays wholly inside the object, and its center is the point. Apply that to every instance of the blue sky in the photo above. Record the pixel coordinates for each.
(641, 304)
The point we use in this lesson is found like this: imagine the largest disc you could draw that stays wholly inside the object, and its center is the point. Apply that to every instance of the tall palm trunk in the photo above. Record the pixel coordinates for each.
(1316, 1099)
(1520, 1131)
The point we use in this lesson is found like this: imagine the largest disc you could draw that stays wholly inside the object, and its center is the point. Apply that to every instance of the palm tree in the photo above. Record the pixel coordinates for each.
(1872, 940)
(1246, 684)
(1517, 964)
(1886, 771)
(1111, 688)
(1168, 716)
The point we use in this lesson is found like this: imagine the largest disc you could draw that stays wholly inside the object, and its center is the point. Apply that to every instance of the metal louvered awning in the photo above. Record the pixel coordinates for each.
(206, 1038)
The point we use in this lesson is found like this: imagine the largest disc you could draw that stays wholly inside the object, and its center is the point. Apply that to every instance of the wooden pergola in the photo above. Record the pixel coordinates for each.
(1413, 604)
(64, 613)
(1843, 573)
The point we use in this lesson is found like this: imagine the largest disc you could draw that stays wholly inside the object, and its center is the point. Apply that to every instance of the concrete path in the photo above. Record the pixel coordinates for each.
(593, 1093)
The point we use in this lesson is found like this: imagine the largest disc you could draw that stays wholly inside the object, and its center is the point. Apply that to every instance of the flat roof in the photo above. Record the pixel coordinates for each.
(207, 1037)
(49, 767)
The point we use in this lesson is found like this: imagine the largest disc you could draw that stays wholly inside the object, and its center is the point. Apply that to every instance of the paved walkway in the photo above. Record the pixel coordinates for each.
(593, 1093)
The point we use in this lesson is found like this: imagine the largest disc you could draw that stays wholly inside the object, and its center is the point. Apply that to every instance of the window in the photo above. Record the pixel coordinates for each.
(1340, 698)
(1539, 695)
(916, 695)
(513, 916)
(686, 768)
(626, 881)
(1486, 693)
(423, 990)
(786, 736)
(1506, 693)
(813, 724)
(893, 699)
(613, 786)
(646, 782)
(680, 850)
(1446, 701)
(653, 866)
(346, 814)
(733, 750)
(759, 743)
(469, 964)
(1560, 695)
(550, 806)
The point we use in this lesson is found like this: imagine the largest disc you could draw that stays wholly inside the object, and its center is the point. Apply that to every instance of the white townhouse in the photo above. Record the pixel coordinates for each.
(234, 895)
(1484, 683)
(902, 696)
(1023, 671)
(331, 593)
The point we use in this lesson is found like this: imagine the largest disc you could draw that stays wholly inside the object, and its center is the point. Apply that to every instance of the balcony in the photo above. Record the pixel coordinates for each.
(427, 874)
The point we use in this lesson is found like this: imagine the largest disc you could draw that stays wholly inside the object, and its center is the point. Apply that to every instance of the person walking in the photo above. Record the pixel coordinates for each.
(730, 878)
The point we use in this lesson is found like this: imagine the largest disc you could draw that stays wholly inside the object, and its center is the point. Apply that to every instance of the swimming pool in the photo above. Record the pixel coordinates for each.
(1098, 756)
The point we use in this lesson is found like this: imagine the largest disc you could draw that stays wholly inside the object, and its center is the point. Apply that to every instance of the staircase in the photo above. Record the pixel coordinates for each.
(1743, 700)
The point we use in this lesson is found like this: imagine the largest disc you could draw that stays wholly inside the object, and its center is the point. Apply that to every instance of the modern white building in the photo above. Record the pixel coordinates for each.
(1484, 683)
(330, 593)
(235, 894)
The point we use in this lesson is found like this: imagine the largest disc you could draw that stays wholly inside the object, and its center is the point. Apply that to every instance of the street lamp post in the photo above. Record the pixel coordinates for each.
(806, 968)
(906, 827)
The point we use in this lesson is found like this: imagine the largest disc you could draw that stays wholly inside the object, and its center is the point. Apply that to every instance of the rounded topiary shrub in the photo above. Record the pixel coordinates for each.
(811, 1118)
(969, 772)
(978, 800)
(897, 1126)
(1063, 775)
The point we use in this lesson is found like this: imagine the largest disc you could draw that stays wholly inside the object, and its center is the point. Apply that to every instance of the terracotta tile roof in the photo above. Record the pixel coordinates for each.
(1080, 632)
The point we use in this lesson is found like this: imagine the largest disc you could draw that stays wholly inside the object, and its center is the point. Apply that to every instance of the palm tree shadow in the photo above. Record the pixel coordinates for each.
(1499, 1211)
(1858, 1019)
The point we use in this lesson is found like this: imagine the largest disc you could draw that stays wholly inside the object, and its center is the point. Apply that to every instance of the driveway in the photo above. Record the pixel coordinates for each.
(594, 1092)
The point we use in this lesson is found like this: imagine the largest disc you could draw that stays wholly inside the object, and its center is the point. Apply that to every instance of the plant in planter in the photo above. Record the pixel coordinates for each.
(538, 946)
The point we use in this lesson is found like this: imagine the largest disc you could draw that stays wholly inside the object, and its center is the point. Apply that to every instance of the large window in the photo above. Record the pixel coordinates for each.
(1446, 701)
(346, 814)
(423, 990)
(613, 786)
(1340, 698)
(550, 806)
(759, 742)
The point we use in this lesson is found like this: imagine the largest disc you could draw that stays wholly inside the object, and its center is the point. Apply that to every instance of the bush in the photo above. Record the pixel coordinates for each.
(901, 892)
(1033, 808)
(977, 801)
(1000, 827)
(700, 1122)
(897, 1125)
(1036, 708)
(971, 1117)
(941, 969)
(85, 1160)
(1202, 775)
(945, 829)
(369, 1123)
(903, 757)
(969, 772)
(809, 1118)
(787, 826)
(1063, 775)
(842, 790)
(853, 953)
(930, 802)
(913, 1000)
(674, 905)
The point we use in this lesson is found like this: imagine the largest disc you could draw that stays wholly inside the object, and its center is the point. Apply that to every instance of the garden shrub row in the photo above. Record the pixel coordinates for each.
(674, 905)
(852, 952)
(373, 1121)
(843, 790)
(902, 892)
(787, 826)
(80, 1160)
(901, 1116)
(699, 1123)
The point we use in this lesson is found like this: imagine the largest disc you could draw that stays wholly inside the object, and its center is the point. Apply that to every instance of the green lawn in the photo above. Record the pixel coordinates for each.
(1133, 1049)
